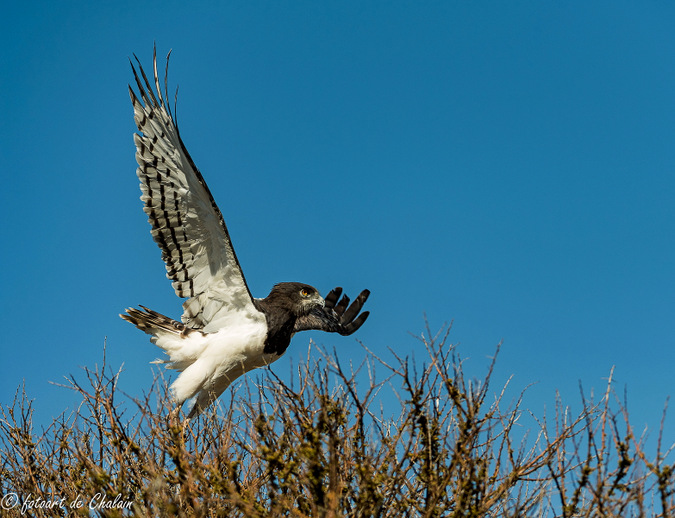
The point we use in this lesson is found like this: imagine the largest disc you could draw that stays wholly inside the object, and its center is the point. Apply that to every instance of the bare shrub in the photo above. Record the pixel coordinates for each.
(335, 441)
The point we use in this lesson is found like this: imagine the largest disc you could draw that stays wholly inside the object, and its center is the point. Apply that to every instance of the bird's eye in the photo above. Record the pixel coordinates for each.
(304, 292)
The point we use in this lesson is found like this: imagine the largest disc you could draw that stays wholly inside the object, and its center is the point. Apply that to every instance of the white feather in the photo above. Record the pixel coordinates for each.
(210, 362)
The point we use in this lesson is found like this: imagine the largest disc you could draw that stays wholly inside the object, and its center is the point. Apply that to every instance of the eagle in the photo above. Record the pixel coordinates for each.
(224, 331)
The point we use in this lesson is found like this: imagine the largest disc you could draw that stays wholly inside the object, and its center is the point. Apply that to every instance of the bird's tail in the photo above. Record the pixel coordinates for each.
(183, 344)
(154, 323)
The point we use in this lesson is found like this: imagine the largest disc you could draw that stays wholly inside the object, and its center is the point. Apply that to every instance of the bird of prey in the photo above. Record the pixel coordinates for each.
(224, 331)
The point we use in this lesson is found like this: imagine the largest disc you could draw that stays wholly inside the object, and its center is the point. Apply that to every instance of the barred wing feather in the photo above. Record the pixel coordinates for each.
(186, 222)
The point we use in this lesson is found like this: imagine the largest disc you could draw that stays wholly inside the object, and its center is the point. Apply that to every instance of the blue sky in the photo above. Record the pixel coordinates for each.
(509, 167)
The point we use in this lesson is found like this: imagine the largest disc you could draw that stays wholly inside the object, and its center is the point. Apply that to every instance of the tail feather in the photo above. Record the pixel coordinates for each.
(183, 344)
(151, 322)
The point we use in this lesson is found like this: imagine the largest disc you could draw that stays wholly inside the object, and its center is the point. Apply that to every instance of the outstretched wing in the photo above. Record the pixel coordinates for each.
(186, 223)
(336, 317)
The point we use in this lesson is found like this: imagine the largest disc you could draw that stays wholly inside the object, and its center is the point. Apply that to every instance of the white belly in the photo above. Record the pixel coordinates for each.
(211, 362)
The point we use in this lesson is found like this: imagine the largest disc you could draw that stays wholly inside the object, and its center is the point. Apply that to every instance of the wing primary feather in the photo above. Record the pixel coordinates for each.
(333, 297)
(147, 85)
(158, 89)
(139, 83)
(356, 306)
(356, 324)
(166, 89)
(342, 305)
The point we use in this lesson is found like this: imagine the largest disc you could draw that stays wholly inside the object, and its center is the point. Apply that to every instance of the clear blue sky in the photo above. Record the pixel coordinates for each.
(509, 167)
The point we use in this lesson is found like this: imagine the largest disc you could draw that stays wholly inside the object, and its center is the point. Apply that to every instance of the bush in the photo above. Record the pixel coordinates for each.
(323, 445)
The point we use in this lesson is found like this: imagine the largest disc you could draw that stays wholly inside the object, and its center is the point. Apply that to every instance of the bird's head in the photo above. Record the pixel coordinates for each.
(297, 297)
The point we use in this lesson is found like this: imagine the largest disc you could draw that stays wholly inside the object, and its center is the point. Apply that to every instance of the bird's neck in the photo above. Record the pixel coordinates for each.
(279, 337)
(280, 326)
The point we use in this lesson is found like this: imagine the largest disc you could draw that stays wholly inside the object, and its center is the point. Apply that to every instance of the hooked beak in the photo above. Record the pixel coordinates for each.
(315, 303)
(320, 301)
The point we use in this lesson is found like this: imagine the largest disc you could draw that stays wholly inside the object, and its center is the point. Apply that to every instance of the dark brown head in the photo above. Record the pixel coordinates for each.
(295, 297)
